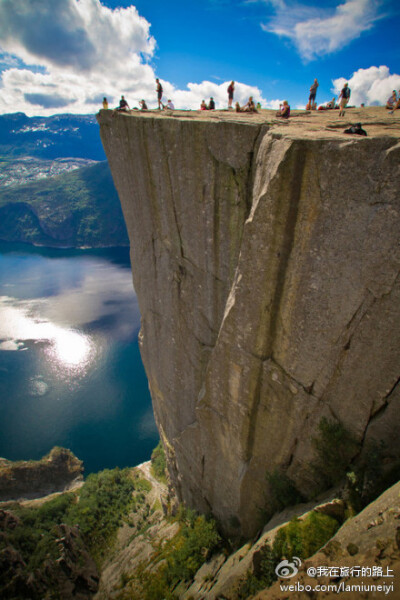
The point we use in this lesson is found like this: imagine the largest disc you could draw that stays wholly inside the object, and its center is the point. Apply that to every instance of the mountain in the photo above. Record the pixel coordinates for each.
(75, 209)
(53, 189)
(59, 136)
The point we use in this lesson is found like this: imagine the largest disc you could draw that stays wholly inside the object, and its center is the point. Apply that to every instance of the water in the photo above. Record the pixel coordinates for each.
(70, 369)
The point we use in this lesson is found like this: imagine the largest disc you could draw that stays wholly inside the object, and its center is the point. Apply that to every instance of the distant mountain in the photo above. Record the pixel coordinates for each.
(76, 209)
(53, 190)
(59, 136)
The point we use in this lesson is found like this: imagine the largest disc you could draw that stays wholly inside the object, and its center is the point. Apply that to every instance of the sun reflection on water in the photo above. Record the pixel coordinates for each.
(66, 349)
(71, 351)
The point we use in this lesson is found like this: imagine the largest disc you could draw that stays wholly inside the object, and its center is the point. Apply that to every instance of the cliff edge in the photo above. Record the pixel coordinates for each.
(265, 258)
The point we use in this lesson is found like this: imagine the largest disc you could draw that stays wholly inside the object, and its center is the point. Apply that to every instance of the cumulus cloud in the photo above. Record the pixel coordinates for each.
(69, 54)
(369, 86)
(81, 34)
(71, 51)
(318, 31)
(196, 92)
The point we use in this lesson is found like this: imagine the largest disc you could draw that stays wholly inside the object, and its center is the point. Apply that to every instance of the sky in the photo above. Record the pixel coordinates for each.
(64, 56)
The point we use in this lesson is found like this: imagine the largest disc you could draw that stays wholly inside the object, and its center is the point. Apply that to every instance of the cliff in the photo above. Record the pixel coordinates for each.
(265, 259)
(56, 472)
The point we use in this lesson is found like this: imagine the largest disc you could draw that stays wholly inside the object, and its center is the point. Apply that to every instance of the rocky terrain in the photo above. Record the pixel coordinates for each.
(266, 262)
(56, 472)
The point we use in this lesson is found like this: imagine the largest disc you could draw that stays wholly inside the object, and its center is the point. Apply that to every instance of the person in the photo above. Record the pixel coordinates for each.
(250, 106)
(258, 106)
(203, 105)
(105, 103)
(344, 97)
(237, 107)
(211, 105)
(328, 105)
(143, 105)
(284, 111)
(392, 101)
(170, 105)
(159, 90)
(357, 129)
(231, 89)
(123, 105)
(313, 94)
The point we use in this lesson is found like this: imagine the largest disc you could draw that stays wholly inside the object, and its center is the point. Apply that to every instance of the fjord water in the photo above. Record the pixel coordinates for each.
(70, 369)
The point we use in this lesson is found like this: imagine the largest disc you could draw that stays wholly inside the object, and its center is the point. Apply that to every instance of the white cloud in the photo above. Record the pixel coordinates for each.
(79, 51)
(318, 31)
(369, 86)
(196, 92)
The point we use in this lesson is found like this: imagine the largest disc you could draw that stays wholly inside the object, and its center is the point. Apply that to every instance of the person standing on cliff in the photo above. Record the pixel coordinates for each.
(231, 89)
(344, 97)
(313, 94)
(159, 90)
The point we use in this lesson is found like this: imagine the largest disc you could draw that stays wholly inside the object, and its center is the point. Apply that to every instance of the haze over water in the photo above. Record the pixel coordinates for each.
(70, 368)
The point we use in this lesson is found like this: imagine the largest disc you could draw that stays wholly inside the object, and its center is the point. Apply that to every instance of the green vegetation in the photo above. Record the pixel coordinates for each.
(369, 478)
(35, 536)
(97, 508)
(103, 500)
(80, 208)
(334, 449)
(159, 463)
(283, 491)
(263, 576)
(179, 559)
(301, 538)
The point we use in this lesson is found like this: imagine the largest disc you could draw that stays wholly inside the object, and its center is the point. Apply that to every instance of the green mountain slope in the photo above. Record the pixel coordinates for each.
(80, 208)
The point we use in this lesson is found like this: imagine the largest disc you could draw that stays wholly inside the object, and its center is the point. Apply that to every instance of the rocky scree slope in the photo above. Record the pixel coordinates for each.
(266, 263)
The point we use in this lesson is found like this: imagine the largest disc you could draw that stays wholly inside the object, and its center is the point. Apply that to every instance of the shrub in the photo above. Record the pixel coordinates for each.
(300, 538)
(334, 448)
(159, 463)
(263, 576)
(283, 491)
(303, 538)
(196, 543)
(103, 500)
(369, 479)
(34, 537)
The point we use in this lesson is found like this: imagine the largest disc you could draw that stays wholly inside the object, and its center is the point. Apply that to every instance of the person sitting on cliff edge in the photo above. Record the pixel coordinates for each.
(284, 110)
(123, 105)
(250, 106)
(143, 105)
(211, 104)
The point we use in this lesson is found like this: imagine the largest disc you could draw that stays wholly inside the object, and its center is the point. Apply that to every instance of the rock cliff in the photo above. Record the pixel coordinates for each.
(58, 471)
(266, 261)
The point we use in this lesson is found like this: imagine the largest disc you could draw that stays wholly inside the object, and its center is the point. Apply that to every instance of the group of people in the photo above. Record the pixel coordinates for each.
(250, 107)
(343, 99)
(209, 106)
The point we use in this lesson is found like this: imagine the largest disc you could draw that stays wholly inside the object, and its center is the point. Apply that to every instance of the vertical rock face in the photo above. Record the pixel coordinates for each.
(266, 264)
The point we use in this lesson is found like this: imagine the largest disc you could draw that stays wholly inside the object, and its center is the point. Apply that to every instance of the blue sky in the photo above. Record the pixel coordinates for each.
(81, 50)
